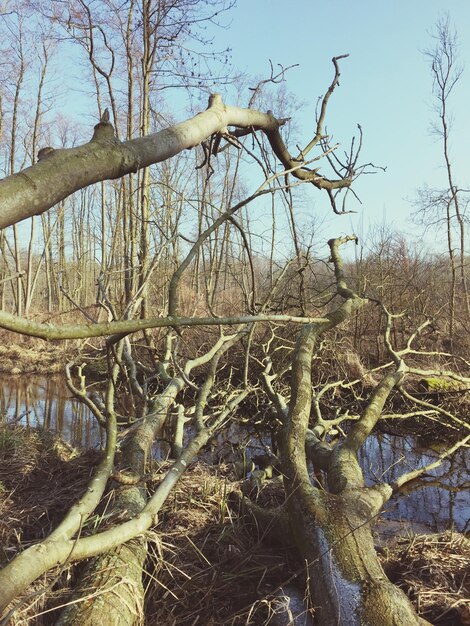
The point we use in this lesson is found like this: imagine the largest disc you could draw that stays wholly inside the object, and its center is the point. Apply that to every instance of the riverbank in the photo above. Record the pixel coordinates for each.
(211, 565)
(28, 355)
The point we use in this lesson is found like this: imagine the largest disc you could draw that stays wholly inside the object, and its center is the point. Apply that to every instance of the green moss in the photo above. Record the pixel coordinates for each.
(440, 384)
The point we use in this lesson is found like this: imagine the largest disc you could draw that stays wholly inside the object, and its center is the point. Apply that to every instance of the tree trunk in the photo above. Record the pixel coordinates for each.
(110, 590)
(332, 528)
(347, 584)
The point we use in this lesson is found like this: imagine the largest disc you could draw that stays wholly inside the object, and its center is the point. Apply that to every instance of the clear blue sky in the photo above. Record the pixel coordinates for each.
(385, 86)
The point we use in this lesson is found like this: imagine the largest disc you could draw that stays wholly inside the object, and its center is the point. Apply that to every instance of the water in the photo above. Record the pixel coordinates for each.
(47, 403)
(441, 506)
(383, 458)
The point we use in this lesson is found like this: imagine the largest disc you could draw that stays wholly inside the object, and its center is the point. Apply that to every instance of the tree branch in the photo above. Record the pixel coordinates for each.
(122, 327)
(409, 476)
(62, 172)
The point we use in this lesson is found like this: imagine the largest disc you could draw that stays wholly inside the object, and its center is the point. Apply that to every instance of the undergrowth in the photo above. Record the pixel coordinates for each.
(206, 564)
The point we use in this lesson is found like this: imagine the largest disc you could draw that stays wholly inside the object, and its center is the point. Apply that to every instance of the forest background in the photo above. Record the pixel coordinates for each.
(396, 78)
(178, 286)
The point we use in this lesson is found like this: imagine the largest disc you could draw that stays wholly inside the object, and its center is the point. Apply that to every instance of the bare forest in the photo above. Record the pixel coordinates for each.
(159, 266)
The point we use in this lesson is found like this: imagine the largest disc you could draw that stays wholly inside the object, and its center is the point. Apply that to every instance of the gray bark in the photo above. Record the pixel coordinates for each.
(62, 172)
(331, 528)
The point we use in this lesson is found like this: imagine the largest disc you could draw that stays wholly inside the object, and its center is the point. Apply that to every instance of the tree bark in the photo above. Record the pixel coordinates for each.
(62, 172)
(331, 528)
(111, 591)
(347, 583)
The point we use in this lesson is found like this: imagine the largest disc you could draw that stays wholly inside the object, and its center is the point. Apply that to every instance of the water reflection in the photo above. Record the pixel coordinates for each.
(385, 457)
(46, 402)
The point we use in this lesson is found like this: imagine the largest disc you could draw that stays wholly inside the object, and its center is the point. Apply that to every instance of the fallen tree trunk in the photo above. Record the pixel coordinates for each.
(347, 584)
(332, 529)
(111, 590)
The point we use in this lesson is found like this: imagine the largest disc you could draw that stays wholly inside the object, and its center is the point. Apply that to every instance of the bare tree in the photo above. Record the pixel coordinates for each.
(331, 526)
(448, 205)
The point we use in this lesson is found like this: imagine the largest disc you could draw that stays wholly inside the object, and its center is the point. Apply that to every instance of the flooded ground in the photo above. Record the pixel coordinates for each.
(47, 403)
(441, 505)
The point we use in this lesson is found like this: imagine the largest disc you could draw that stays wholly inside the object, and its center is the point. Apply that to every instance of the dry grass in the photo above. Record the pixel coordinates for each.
(40, 477)
(29, 355)
(206, 566)
(433, 571)
(215, 570)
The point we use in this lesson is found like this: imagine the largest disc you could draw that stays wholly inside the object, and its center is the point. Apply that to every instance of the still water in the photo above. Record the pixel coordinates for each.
(47, 403)
(441, 506)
